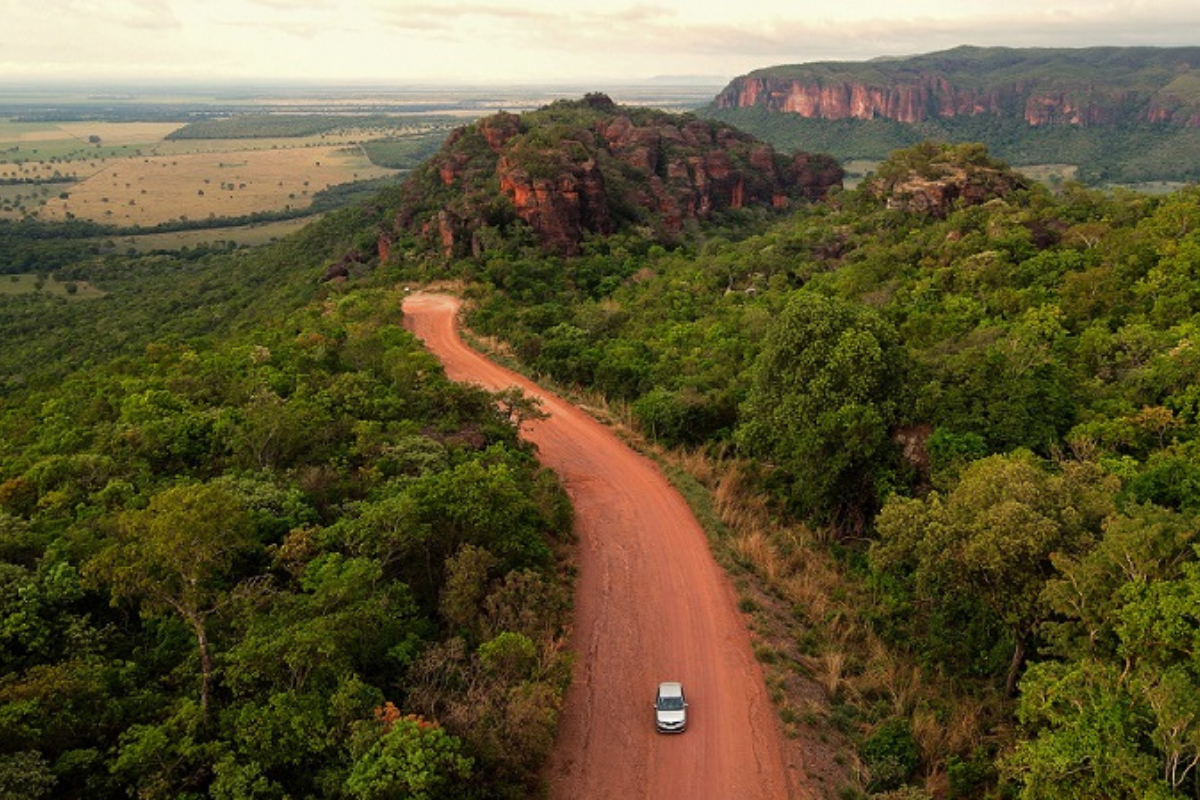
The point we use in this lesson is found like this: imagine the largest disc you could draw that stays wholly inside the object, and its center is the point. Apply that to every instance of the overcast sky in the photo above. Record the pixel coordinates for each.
(401, 42)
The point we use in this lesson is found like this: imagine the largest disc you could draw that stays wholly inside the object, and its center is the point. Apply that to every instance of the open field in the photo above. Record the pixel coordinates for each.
(109, 133)
(253, 235)
(18, 192)
(1049, 174)
(856, 170)
(152, 190)
(128, 173)
(1151, 187)
(34, 284)
(26, 143)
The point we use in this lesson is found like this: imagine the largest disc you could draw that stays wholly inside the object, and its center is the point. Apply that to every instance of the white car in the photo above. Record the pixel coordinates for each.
(670, 708)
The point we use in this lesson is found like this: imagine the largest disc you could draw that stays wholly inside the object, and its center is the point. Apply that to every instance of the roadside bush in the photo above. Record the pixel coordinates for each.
(891, 755)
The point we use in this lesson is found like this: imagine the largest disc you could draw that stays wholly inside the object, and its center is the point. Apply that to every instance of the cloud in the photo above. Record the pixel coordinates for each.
(542, 40)
(433, 16)
(547, 24)
(767, 41)
(137, 14)
(293, 6)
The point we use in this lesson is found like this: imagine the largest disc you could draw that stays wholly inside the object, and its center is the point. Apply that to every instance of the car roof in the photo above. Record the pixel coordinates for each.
(670, 688)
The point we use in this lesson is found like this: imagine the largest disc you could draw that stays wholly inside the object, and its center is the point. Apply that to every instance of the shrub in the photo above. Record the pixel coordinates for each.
(891, 755)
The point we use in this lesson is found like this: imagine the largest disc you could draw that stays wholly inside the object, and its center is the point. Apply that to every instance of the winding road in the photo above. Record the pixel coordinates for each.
(651, 605)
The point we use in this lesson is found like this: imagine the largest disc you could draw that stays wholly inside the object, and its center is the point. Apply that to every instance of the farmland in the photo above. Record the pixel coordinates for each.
(132, 174)
(149, 191)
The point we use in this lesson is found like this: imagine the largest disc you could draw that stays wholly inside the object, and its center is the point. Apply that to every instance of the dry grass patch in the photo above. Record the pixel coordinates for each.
(150, 191)
(110, 133)
(252, 235)
(756, 549)
(30, 283)
(119, 133)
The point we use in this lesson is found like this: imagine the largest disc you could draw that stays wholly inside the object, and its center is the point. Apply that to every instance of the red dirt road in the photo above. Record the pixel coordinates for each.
(651, 605)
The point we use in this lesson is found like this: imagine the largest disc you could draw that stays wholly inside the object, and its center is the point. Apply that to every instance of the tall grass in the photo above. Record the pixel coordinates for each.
(810, 598)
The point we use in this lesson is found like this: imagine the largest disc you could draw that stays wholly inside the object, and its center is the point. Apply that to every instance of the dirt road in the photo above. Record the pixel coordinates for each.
(651, 605)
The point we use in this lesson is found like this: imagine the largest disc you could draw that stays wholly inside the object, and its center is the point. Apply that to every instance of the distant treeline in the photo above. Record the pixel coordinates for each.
(37, 181)
(1130, 153)
(269, 126)
(405, 152)
(140, 112)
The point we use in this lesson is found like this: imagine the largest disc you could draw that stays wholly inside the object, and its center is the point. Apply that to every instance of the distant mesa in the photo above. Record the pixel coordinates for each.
(1084, 87)
(584, 167)
(1113, 114)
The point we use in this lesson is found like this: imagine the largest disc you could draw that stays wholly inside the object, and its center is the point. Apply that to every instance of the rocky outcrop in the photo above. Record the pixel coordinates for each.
(935, 179)
(1088, 87)
(592, 167)
(559, 208)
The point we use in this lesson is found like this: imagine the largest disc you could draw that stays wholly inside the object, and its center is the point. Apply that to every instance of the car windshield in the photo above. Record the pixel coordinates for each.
(670, 703)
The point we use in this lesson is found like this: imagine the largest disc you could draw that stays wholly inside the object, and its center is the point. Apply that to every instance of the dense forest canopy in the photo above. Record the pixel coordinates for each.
(990, 404)
(261, 548)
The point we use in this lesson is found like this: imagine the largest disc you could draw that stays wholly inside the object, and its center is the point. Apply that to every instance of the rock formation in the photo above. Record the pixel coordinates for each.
(934, 179)
(1086, 87)
(591, 167)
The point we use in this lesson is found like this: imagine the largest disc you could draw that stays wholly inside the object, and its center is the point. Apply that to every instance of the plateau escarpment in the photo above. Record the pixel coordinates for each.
(1113, 114)
(1094, 86)
(577, 168)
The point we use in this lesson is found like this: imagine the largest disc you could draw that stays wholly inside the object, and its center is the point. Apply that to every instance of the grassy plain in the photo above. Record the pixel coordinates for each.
(253, 235)
(131, 174)
(109, 133)
(29, 283)
(219, 183)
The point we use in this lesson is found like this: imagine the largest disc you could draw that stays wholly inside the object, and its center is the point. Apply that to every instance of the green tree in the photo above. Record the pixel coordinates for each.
(343, 619)
(1088, 726)
(1143, 545)
(992, 536)
(25, 776)
(416, 760)
(467, 579)
(1120, 715)
(824, 393)
(177, 555)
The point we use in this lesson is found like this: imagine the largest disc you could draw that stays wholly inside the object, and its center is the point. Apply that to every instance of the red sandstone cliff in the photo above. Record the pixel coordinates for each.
(591, 167)
(1097, 86)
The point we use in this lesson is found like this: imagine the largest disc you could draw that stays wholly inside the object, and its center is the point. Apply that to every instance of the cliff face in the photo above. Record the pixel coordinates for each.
(1098, 86)
(913, 101)
(575, 168)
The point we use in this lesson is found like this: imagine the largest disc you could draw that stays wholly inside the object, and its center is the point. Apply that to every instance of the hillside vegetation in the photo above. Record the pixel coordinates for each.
(980, 397)
(253, 544)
